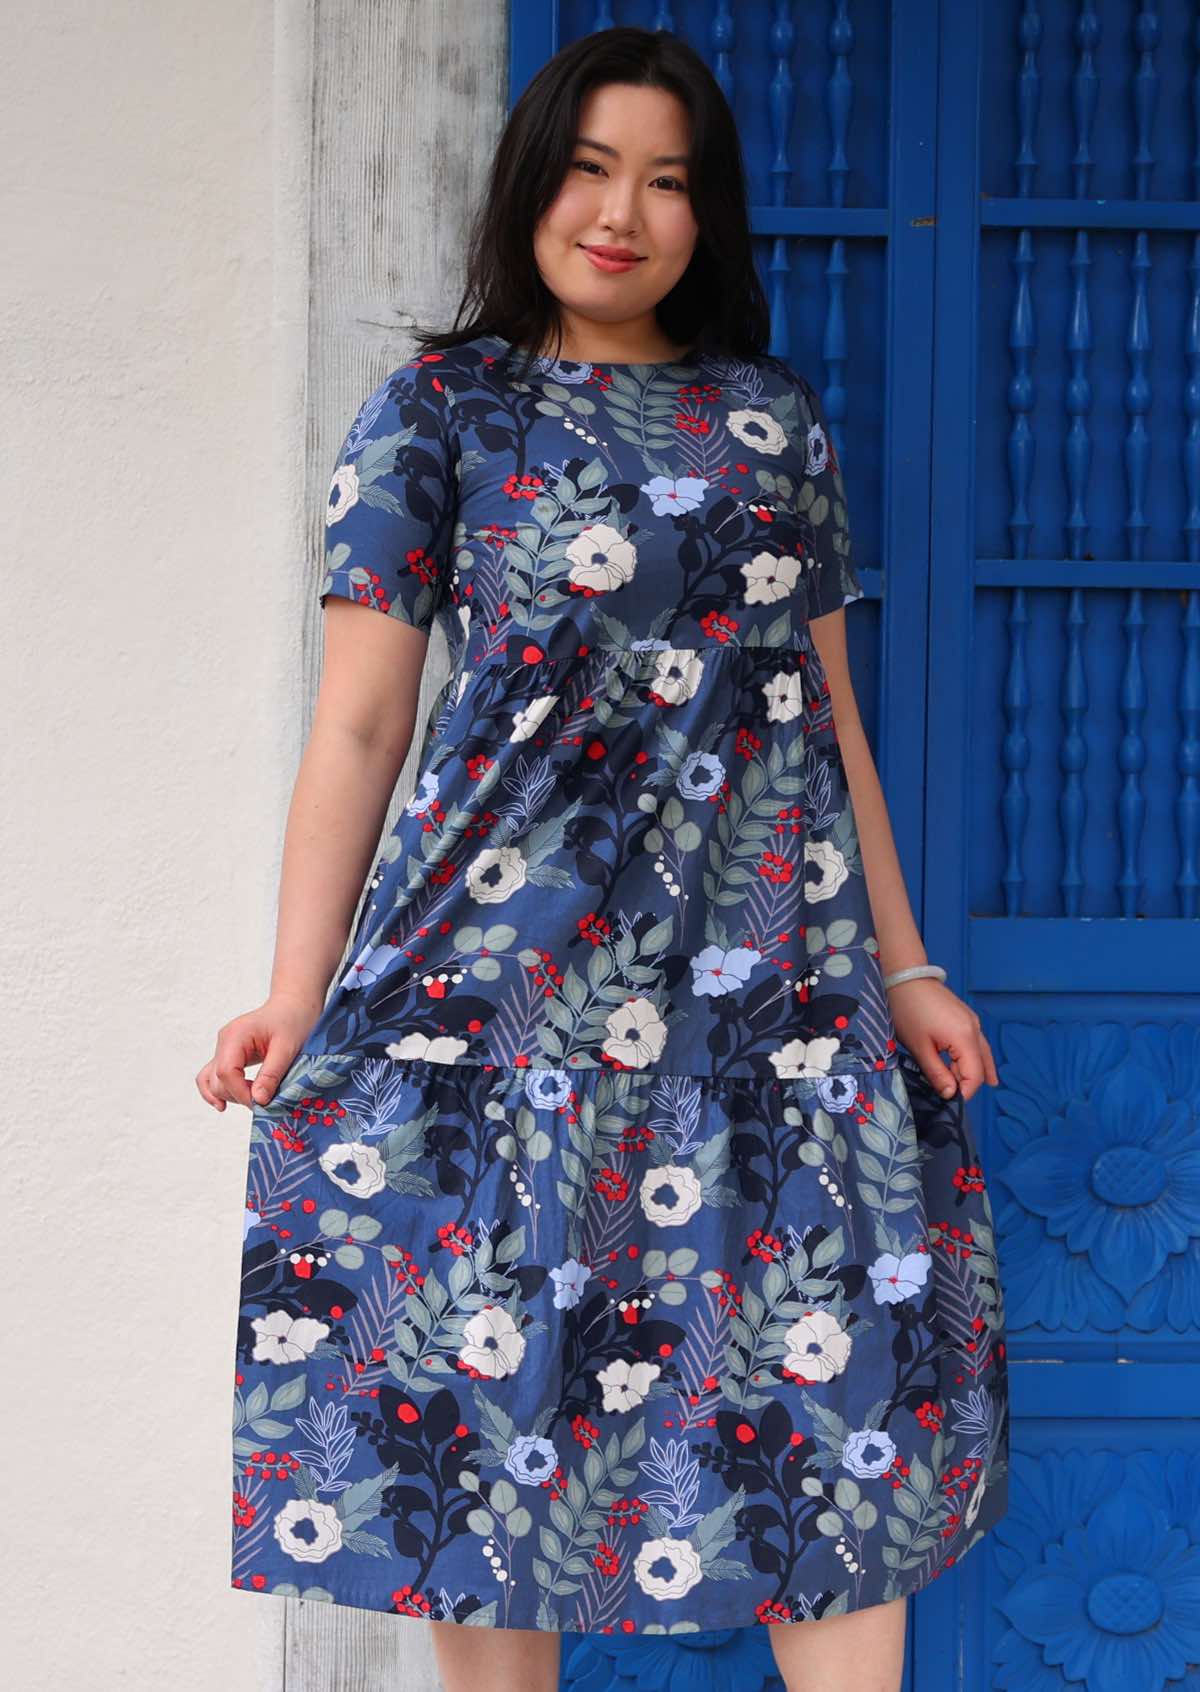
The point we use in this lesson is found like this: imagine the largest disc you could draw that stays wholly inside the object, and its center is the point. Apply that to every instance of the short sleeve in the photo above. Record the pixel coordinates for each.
(834, 581)
(392, 501)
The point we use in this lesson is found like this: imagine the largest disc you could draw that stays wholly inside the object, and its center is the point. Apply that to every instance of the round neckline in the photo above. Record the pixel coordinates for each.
(547, 364)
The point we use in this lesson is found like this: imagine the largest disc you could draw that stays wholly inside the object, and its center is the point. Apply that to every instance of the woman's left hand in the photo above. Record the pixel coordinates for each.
(930, 1019)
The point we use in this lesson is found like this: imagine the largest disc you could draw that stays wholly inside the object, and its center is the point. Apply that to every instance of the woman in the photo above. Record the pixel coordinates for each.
(618, 1257)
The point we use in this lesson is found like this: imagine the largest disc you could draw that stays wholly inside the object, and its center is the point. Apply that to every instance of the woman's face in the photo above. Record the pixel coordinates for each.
(625, 188)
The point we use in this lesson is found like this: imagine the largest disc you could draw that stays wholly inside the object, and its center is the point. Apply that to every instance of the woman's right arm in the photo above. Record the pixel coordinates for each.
(361, 732)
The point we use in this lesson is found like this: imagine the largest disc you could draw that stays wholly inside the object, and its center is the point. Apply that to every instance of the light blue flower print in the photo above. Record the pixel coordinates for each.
(530, 1459)
(668, 494)
(868, 1452)
(721, 971)
(700, 776)
(546, 1089)
(818, 451)
(838, 1092)
(426, 792)
(897, 1278)
(569, 1282)
(570, 372)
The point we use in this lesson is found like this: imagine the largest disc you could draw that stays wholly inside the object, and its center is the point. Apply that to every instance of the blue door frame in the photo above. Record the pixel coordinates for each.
(979, 229)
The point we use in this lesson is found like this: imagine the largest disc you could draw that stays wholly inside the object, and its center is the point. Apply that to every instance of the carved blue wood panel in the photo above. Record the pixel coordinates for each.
(1062, 811)
(978, 225)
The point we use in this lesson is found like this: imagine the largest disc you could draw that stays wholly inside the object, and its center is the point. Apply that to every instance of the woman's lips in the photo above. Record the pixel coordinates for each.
(603, 262)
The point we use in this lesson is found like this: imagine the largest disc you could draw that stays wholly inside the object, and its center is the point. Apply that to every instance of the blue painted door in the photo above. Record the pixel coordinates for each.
(979, 228)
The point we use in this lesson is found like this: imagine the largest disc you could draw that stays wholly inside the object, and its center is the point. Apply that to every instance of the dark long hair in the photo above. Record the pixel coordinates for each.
(719, 300)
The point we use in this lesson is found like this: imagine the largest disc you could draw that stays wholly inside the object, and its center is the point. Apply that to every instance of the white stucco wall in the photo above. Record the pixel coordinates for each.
(154, 312)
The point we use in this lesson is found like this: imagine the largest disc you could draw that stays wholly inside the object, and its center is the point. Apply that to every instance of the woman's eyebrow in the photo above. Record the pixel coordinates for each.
(614, 153)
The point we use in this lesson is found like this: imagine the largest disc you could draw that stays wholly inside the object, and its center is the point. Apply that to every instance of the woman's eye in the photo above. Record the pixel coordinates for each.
(590, 165)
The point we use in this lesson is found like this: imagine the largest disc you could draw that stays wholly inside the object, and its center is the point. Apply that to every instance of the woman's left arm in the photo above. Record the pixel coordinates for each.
(928, 1017)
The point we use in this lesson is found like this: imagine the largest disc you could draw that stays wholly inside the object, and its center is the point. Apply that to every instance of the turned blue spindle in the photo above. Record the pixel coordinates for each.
(1029, 36)
(1077, 454)
(833, 345)
(839, 98)
(1084, 88)
(1072, 758)
(1190, 449)
(1014, 754)
(1131, 807)
(1022, 338)
(1146, 83)
(1131, 756)
(1187, 806)
(781, 107)
(721, 37)
(1137, 399)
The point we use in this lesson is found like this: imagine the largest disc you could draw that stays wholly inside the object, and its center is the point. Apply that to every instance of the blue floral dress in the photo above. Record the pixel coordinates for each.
(609, 1265)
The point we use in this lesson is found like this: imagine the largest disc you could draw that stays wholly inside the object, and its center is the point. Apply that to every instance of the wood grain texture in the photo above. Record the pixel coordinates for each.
(406, 100)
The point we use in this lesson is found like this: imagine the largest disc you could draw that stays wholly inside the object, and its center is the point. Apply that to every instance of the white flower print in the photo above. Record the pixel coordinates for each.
(492, 1343)
(677, 674)
(824, 870)
(531, 716)
(758, 429)
(439, 1048)
(354, 1167)
(818, 1347)
(670, 1195)
(897, 1278)
(667, 1568)
(343, 493)
(805, 1059)
(308, 1530)
(626, 1384)
(770, 577)
(975, 1500)
(785, 696)
(283, 1338)
(495, 874)
(601, 558)
(636, 1033)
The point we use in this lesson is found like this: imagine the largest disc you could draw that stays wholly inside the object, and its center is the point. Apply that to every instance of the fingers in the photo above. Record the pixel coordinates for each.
(939, 1076)
(277, 1058)
(229, 1067)
(206, 1089)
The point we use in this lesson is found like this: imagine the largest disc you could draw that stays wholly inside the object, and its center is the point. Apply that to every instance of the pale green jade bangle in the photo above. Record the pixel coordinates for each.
(914, 972)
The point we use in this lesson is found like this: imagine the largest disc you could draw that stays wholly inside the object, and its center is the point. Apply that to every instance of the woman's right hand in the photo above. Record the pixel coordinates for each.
(270, 1035)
